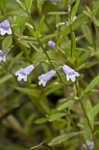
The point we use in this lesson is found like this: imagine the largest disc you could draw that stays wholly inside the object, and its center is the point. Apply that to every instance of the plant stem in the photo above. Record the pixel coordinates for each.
(49, 59)
(85, 113)
(71, 40)
(70, 23)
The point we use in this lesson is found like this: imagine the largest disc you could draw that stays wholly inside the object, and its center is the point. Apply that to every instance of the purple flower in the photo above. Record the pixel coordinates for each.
(46, 77)
(23, 72)
(5, 27)
(3, 55)
(70, 73)
(51, 44)
(89, 145)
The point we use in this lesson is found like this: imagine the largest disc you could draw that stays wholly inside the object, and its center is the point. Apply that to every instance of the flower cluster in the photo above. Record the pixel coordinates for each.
(44, 78)
(24, 72)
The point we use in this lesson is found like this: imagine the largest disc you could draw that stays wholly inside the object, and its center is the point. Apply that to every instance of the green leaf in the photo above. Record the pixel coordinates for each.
(95, 110)
(24, 43)
(87, 65)
(39, 5)
(81, 19)
(96, 21)
(20, 4)
(56, 116)
(96, 9)
(3, 5)
(41, 26)
(18, 24)
(4, 145)
(85, 127)
(7, 42)
(32, 92)
(39, 56)
(83, 57)
(5, 78)
(66, 104)
(14, 60)
(87, 32)
(73, 42)
(88, 12)
(62, 138)
(75, 8)
(91, 85)
(53, 88)
(48, 37)
(44, 104)
(41, 120)
(28, 4)
(89, 112)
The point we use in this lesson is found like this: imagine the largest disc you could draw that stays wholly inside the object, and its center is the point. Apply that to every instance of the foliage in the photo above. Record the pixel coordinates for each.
(53, 113)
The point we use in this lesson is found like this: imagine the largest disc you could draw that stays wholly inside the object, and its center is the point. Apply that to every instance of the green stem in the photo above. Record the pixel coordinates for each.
(71, 39)
(69, 16)
(49, 27)
(45, 52)
(84, 112)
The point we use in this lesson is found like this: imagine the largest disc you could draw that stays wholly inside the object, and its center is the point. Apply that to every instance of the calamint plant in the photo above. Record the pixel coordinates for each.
(49, 74)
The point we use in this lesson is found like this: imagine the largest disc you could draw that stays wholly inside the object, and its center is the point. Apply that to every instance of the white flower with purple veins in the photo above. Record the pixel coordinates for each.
(51, 44)
(46, 77)
(89, 145)
(70, 73)
(5, 27)
(23, 72)
(3, 55)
